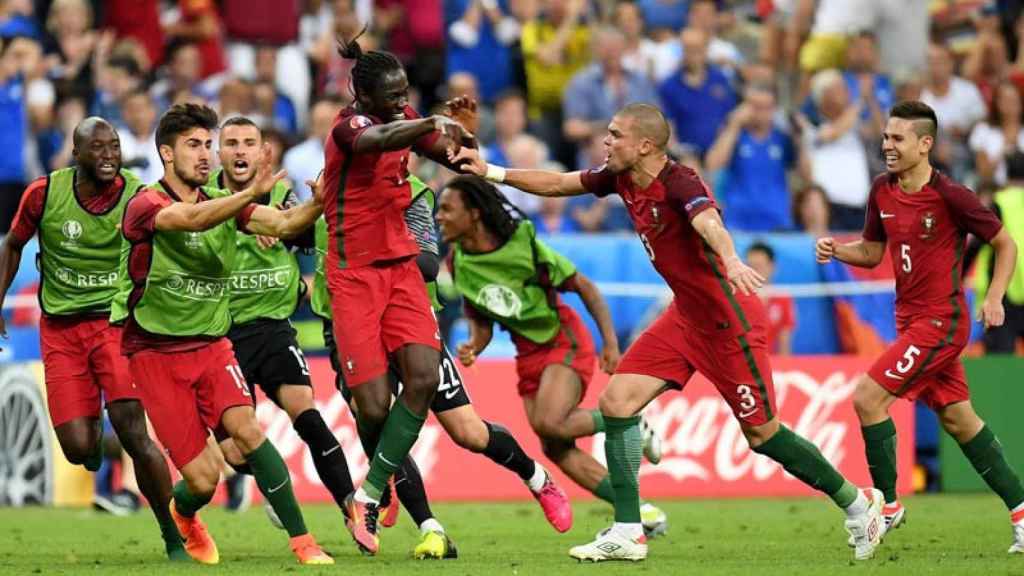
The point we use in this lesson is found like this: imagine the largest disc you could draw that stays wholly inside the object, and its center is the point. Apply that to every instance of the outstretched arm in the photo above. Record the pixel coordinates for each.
(862, 253)
(598, 308)
(743, 278)
(403, 134)
(538, 182)
(289, 223)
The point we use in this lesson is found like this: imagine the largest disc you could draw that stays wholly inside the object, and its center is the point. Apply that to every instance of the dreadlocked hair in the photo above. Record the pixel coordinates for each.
(500, 216)
(370, 66)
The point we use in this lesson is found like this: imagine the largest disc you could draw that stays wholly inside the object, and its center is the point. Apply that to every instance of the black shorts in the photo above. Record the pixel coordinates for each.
(269, 355)
(451, 392)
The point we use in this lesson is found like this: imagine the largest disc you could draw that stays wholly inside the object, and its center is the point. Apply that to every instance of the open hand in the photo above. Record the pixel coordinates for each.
(743, 278)
(464, 111)
(468, 161)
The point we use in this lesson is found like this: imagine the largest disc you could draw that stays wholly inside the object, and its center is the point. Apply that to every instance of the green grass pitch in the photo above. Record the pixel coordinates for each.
(947, 534)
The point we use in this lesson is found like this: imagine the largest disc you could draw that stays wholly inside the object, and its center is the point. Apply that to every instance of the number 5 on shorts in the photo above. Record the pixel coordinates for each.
(906, 364)
(238, 377)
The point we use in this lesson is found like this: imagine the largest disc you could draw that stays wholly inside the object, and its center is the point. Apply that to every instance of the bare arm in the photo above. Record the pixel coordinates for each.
(404, 133)
(183, 216)
(480, 333)
(10, 259)
(598, 308)
(992, 313)
(862, 253)
(742, 277)
(284, 223)
(841, 125)
(538, 182)
(721, 151)
(785, 342)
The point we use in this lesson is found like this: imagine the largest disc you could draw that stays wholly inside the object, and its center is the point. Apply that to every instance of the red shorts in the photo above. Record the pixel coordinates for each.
(922, 364)
(185, 394)
(738, 366)
(82, 357)
(377, 310)
(572, 347)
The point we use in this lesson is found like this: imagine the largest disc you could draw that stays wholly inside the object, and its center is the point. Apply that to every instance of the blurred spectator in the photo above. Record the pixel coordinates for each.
(862, 74)
(305, 160)
(526, 152)
(833, 22)
(17, 19)
(642, 54)
(957, 103)
(510, 120)
(703, 15)
(138, 140)
(200, 24)
(664, 14)
(14, 131)
(70, 46)
(284, 114)
(756, 155)
(988, 60)
(1000, 135)
(333, 71)
(838, 159)
(811, 211)
(261, 22)
(236, 99)
(554, 48)
(780, 309)
(464, 84)
(277, 142)
(417, 41)
(183, 76)
(699, 96)
(116, 77)
(139, 20)
(593, 214)
(551, 217)
(480, 33)
(595, 93)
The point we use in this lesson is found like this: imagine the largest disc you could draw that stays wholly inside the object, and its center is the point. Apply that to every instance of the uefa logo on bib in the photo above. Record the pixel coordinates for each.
(72, 230)
(500, 300)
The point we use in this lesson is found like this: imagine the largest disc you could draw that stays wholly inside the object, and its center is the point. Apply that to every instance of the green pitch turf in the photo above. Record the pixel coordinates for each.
(944, 535)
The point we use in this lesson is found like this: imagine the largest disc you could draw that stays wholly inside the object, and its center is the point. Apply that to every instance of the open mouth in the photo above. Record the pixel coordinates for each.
(240, 166)
(106, 168)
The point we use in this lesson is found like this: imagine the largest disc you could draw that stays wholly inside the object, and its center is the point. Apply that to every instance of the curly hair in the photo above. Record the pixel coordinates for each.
(500, 216)
(370, 66)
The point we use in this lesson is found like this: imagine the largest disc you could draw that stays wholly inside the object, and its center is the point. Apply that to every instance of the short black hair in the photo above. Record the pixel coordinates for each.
(926, 123)
(127, 63)
(238, 121)
(181, 118)
(760, 246)
(498, 214)
(370, 66)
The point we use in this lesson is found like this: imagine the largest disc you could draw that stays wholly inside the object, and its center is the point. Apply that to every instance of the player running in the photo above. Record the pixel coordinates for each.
(266, 288)
(716, 325)
(451, 404)
(77, 212)
(506, 275)
(925, 217)
(378, 301)
(179, 257)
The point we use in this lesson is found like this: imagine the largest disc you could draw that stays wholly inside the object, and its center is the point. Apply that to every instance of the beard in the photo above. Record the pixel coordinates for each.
(193, 180)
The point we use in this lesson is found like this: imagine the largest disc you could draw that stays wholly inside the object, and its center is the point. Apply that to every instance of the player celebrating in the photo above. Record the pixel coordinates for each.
(451, 404)
(265, 291)
(77, 212)
(378, 301)
(506, 275)
(925, 217)
(716, 325)
(180, 255)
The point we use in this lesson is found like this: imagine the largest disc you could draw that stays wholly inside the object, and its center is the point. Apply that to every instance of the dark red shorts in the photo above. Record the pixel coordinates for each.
(185, 394)
(924, 362)
(738, 366)
(572, 347)
(377, 310)
(81, 358)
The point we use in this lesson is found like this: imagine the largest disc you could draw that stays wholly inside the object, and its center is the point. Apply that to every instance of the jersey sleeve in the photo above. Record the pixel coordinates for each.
(689, 194)
(140, 214)
(30, 213)
(559, 268)
(347, 131)
(598, 181)
(243, 217)
(970, 214)
(873, 229)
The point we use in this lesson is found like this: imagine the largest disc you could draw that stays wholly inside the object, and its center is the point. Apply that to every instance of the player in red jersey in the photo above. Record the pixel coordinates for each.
(715, 325)
(378, 299)
(925, 218)
(76, 212)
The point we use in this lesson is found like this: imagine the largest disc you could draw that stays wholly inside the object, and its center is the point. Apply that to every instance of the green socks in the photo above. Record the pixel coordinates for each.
(880, 447)
(599, 425)
(276, 486)
(986, 455)
(604, 490)
(401, 430)
(803, 460)
(186, 503)
(95, 460)
(623, 447)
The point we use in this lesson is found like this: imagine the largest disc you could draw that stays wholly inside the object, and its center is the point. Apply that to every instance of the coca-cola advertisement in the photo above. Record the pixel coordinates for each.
(705, 454)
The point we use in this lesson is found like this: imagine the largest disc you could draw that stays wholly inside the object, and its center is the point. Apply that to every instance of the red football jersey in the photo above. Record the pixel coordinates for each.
(927, 233)
(366, 196)
(661, 215)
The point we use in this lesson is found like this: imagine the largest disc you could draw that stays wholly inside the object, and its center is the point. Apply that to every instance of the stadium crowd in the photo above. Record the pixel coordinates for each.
(778, 103)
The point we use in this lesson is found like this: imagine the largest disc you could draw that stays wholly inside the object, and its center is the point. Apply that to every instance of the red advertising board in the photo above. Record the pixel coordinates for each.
(705, 455)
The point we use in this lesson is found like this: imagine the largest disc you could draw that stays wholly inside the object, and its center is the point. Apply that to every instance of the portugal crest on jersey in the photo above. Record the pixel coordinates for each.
(927, 226)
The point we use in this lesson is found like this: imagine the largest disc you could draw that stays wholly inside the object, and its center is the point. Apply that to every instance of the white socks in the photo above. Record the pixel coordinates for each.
(431, 525)
(536, 482)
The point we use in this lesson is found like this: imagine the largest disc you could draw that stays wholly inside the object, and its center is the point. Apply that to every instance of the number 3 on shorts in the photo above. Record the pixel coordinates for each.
(238, 377)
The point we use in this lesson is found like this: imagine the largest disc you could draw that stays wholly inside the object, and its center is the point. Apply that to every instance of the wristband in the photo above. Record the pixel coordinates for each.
(495, 173)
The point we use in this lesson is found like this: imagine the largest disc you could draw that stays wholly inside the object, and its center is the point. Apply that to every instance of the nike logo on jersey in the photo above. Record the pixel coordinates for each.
(883, 215)
(327, 452)
(451, 394)
(745, 414)
(889, 374)
(278, 487)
